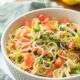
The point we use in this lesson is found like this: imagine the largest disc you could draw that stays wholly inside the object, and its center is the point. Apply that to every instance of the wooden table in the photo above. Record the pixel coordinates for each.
(76, 7)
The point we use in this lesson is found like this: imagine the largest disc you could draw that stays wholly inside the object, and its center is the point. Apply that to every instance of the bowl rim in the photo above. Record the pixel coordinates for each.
(4, 53)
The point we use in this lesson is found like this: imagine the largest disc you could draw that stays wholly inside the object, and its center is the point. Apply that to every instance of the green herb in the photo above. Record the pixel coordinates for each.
(63, 44)
(46, 35)
(62, 28)
(47, 64)
(78, 70)
(36, 29)
(69, 24)
(20, 59)
(56, 40)
(44, 41)
(79, 34)
(39, 60)
(35, 37)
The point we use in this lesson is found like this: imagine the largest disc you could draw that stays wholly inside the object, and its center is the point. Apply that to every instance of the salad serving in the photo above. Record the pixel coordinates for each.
(46, 47)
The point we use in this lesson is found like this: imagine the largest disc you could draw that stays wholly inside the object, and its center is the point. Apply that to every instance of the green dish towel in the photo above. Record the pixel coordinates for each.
(11, 10)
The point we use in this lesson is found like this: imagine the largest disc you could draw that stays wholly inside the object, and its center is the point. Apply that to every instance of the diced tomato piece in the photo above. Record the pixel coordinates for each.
(27, 23)
(46, 20)
(71, 45)
(29, 60)
(62, 55)
(48, 24)
(45, 52)
(73, 27)
(23, 40)
(59, 62)
(39, 51)
(41, 17)
(50, 73)
(25, 47)
(64, 20)
(23, 34)
(60, 52)
(16, 44)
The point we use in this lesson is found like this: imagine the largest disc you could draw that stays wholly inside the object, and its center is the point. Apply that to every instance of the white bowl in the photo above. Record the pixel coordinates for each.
(51, 12)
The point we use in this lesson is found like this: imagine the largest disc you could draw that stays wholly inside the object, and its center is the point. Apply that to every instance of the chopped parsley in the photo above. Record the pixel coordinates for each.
(69, 24)
(78, 70)
(36, 29)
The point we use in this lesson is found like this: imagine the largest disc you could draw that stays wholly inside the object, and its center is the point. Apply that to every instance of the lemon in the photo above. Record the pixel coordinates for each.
(71, 2)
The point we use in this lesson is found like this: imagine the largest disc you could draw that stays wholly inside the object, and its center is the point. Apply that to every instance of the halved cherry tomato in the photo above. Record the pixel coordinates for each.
(29, 60)
(59, 62)
(71, 45)
(64, 20)
(27, 23)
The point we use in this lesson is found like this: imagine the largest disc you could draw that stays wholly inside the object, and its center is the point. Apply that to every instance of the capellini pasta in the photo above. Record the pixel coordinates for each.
(46, 47)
